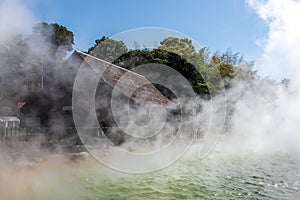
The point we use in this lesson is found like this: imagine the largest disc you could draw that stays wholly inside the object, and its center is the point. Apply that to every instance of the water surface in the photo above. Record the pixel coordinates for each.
(219, 176)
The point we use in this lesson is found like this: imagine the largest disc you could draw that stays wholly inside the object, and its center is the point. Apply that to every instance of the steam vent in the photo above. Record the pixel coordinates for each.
(48, 114)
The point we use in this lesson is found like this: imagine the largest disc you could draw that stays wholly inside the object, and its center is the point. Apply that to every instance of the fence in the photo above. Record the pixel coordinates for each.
(9, 129)
(11, 133)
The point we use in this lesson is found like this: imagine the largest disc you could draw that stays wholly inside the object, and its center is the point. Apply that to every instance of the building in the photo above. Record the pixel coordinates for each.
(51, 109)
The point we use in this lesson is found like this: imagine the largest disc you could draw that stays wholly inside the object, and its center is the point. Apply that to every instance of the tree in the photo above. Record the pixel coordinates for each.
(108, 49)
(24, 62)
(57, 39)
(203, 77)
(12, 53)
(232, 67)
(48, 45)
(244, 72)
(205, 73)
(135, 58)
(181, 46)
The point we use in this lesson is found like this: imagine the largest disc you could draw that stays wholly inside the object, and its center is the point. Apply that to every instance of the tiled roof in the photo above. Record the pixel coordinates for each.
(132, 85)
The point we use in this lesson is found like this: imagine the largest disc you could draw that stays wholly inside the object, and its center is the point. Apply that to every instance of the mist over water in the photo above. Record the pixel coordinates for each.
(264, 118)
(219, 176)
(257, 155)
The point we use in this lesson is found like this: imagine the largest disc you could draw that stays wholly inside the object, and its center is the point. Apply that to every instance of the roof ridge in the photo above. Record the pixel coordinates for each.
(104, 61)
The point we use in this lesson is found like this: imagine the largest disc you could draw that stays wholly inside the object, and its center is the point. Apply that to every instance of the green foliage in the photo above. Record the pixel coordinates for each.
(207, 74)
(24, 68)
(180, 46)
(244, 72)
(108, 49)
(160, 56)
(24, 60)
(57, 37)
(204, 77)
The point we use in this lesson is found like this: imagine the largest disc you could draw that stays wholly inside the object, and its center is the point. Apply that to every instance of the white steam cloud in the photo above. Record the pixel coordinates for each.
(15, 18)
(266, 114)
(282, 45)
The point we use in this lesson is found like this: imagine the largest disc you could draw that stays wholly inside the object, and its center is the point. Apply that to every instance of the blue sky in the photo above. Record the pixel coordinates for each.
(216, 24)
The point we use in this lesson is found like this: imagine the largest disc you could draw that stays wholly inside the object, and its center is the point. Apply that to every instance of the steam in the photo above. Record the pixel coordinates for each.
(15, 18)
(263, 114)
(266, 114)
(263, 119)
(21, 53)
(282, 44)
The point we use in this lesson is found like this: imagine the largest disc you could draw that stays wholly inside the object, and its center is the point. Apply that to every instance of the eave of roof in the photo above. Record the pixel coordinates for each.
(131, 84)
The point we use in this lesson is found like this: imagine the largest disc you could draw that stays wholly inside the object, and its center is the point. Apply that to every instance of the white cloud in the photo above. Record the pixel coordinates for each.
(15, 18)
(281, 55)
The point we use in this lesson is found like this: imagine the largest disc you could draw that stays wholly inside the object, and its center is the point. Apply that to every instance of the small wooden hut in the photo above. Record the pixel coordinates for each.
(51, 109)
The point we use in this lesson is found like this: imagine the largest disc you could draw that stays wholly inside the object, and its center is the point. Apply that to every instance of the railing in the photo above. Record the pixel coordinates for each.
(12, 133)
(9, 131)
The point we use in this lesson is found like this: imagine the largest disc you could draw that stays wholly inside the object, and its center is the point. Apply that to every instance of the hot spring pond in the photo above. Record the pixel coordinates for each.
(219, 176)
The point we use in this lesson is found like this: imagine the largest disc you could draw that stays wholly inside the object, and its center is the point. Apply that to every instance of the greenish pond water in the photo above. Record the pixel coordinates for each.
(219, 176)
